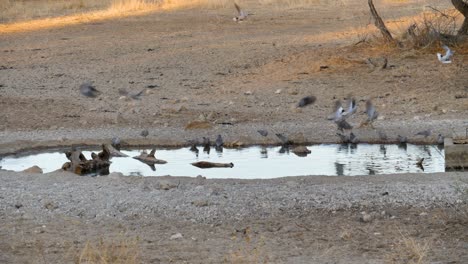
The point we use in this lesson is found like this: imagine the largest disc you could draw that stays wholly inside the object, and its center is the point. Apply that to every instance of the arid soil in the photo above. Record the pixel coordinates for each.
(199, 65)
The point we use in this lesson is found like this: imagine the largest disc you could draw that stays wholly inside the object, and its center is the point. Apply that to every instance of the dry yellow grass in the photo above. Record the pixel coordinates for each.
(104, 252)
(409, 250)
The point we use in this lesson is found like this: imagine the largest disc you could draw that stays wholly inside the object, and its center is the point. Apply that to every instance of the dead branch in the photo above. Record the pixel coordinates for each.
(380, 24)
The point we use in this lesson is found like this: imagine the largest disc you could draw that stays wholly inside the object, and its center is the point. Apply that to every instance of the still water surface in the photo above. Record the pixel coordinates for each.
(253, 162)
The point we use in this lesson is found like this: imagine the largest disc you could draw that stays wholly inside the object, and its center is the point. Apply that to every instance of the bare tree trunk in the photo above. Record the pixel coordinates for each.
(462, 7)
(380, 24)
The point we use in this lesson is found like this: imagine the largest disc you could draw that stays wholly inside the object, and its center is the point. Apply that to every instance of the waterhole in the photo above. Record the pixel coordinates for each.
(261, 162)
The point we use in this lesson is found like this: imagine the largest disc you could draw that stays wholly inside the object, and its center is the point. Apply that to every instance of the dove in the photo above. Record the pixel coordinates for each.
(135, 96)
(88, 90)
(241, 14)
(144, 133)
(372, 114)
(402, 139)
(424, 133)
(263, 132)
(306, 101)
(382, 135)
(445, 58)
(116, 143)
(343, 138)
(206, 145)
(284, 139)
(419, 163)
(440, 139)
(353, 138)
(352, 106)
(339, 119)
(219, 141)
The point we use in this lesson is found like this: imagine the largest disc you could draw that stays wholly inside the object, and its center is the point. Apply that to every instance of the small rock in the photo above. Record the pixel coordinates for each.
(18, 205)
(166, 185)
(301, 151)
(50, 206)
(423, 214)
(366, 218)
(176, 236)
(200, 203)
(33, 169)
(417, 118)
(53, 127)
(115, 175)
(248, 92)
(278, 91)
(200, 177)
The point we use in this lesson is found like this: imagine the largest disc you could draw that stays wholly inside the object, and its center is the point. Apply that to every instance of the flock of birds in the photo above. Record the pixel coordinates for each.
(340, 115)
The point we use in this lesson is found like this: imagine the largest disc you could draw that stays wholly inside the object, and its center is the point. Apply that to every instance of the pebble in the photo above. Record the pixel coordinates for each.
(366, 218)
(278, 91)
(166, 185)
(248, 93)
(176, 236)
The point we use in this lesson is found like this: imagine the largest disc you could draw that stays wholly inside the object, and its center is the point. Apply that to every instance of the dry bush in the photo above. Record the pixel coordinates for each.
(104, 252)
(434, 28)
(410, 251)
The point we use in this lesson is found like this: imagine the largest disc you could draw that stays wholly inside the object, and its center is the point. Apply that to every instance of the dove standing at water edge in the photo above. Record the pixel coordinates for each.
(372, 114)
(241, 14)
(440, 139)
(445, 58)
(144, 133)
(424, 133)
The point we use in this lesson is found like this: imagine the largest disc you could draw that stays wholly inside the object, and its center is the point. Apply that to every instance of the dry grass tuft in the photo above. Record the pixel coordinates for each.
(408, 250)
(102, 252)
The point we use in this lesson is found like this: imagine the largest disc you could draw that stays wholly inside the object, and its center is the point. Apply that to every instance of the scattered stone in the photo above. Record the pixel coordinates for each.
(115, 175)
(200, 203)
(278, 91)
(33, 169)
(423, 214)
(50, 206)
(176, 236)
(18, 205)
(366, 218)
(248, 93)
(166, 185)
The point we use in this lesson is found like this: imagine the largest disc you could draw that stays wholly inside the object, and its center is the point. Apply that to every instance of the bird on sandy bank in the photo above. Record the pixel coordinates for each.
(242, 15)
(402, 139)
(88, 90)
(306, 101)
(339, 118)
(440, 139)
(424, 133)
(115, 142)
(219, 143)
(144, 133)
(448, 54)
(284, 139)
(372, 114)
(262, 132)
(382, 135)
(352, 106)
(133, 95)
(353, 138)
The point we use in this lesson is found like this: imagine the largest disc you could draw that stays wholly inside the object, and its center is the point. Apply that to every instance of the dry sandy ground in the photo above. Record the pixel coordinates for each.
(239, 77)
